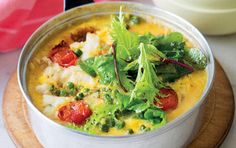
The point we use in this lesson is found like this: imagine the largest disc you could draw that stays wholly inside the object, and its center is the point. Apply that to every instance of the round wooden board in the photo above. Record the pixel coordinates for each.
(217, 118)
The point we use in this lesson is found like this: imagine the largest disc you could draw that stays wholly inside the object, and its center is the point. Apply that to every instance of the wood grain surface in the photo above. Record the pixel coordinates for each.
(217, 118)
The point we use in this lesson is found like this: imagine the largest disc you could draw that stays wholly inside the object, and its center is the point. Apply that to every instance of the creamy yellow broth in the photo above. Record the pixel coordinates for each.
(189, 88)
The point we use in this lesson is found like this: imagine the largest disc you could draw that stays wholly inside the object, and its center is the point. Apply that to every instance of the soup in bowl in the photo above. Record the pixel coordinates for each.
(116, 75)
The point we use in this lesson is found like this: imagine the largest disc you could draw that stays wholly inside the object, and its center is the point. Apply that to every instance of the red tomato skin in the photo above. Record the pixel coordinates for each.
(75, 112)
(64, 113)
(63, 56)
(169, 101)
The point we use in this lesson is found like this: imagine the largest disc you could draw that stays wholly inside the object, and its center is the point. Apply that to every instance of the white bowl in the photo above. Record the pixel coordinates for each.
(211, 17)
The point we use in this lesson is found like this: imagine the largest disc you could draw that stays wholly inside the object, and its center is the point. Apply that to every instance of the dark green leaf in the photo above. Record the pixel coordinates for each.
(170, 72)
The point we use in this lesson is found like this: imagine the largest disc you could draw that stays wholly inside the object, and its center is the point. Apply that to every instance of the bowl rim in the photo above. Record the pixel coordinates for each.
(195, 9)
(152, 133)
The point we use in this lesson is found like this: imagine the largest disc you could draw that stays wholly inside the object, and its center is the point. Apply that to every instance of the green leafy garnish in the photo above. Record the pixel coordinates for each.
(88, 69)
(104, 67)
(126, 42)
(147, 82)
(132, 76)
(155, 115)
(171, 72)
(196, 58)
(170, 38)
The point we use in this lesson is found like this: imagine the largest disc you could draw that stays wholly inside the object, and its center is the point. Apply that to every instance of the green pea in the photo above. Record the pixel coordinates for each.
(110, 122)
(104, 128)
(78, 52)
(79, 96)
(130, 131)
(142, 128)
(120, 124)
(63, 93)
(70, 85)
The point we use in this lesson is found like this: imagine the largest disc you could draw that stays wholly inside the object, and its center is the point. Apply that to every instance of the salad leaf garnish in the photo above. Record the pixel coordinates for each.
(126, 41)
(196, 58)
(139, 66)
(147, 82)
(117, 68)
(88, 69)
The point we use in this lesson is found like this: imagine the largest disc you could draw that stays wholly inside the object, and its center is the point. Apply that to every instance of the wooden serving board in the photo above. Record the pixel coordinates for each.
(217, 118)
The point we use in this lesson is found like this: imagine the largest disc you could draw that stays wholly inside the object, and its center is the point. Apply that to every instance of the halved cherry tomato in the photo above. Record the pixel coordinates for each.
(75, 112)
(169, 101)
(63, 56)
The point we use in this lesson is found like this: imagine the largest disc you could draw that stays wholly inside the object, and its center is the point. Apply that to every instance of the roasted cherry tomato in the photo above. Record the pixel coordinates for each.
(169, 100)
(63, 56)
(75, 112)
